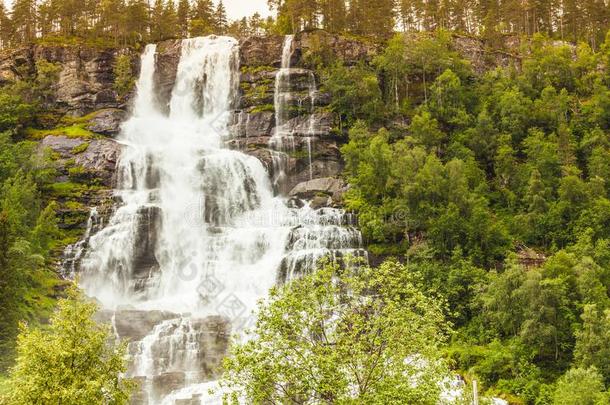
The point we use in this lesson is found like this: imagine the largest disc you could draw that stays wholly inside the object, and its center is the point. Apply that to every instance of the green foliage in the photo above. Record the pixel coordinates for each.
(72, 361)
(495, 189)
(343, 335)
(581, 386)
(124, 80)
(355, 93)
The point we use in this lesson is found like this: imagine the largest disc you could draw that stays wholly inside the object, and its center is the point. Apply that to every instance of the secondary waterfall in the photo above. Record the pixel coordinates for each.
(198, 235)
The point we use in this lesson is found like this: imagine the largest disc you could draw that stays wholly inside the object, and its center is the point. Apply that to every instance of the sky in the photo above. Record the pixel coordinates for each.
(236, 9)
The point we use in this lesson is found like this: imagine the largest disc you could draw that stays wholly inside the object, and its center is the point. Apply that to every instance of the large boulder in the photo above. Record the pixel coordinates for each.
(323, 186)
(61, 145)
(101, 157)
(107, 122)
(134, 324)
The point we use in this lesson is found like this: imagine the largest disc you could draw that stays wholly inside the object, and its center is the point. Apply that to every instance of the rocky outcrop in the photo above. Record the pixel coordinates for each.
(482, 57)
(324, 186)
(145, 264)
(98, 157)
(86, 75)
(133, 325)
(107, 122)
(309, 44)
(166, 68)
(261, 51)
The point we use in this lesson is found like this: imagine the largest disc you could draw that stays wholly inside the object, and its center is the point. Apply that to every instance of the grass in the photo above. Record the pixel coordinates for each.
(59, 40)
(263, 108)
(80, 148)
(72, 131)
(67, 190)
(71, 127)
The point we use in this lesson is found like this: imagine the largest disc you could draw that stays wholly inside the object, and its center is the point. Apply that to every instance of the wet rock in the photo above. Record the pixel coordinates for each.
(61, 144)
(100, 157)
(310, 125)
(320, 201)
(311, 188)
(264, 155)
(258, 75)
(256, 124)
(145, 264)
(134, 324)
(139, 396)
(194, 400)
(318, 169)
(107, 122)
(166, 68)
(165, 383)
(261, 51)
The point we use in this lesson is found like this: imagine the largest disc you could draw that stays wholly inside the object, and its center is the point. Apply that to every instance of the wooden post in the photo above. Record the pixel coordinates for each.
(475, 393)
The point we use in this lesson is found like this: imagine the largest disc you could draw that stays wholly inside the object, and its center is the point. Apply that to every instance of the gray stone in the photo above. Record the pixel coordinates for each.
(101, 157)
(257, 124)
(107, 122)
(349, 51)
(311, 188)
(61, 144)
(261, 51)
(166, 68)
(311, 125)
(320, 202)
(135, 324)
(165, 383)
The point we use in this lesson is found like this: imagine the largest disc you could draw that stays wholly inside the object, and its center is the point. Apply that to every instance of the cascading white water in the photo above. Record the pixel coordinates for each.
(198, 232)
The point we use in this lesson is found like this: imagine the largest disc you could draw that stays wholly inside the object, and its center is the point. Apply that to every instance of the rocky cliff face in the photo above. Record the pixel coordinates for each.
(85, 94)
(314, 152)
(85, 79)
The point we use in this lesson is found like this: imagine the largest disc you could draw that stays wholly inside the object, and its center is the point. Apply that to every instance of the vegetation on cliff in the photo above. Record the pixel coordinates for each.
(490, 185)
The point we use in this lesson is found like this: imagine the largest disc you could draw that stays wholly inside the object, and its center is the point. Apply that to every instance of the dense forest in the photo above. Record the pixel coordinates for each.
(139, 21)
(488, 189)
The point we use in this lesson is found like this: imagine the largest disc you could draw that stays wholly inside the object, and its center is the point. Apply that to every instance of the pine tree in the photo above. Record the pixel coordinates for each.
(202, 18)
(334, 15)
(184, 10)
(220, 19)
(256, 24)
(169, 21)
(156, 21)
(6, 32)
(372, 19)
(24, 20)
(137, 21)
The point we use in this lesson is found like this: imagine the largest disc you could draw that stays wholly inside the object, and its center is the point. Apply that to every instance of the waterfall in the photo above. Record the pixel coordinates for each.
(284, 142)
(198, 235)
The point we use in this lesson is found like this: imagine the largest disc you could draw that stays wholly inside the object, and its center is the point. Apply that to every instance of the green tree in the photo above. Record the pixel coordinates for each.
(72, 361)
(593, 340)
(183, 14)
(343, 335)
(581, 386)
(220, 18)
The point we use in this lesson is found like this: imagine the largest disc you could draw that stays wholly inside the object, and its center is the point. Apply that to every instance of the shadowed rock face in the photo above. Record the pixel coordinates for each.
(166, 68)
(145, 264)
(134, 325)
(98, 156)
(107, 122)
